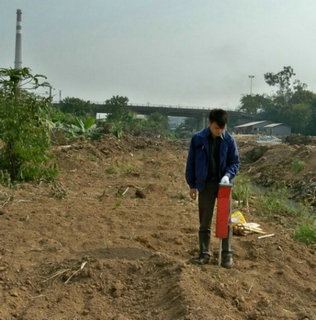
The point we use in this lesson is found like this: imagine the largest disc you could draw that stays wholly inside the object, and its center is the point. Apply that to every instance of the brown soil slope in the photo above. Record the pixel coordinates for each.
(291, 166)
(113, 237)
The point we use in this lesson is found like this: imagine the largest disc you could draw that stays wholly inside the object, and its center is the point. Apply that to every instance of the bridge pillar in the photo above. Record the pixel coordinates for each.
(202, 122)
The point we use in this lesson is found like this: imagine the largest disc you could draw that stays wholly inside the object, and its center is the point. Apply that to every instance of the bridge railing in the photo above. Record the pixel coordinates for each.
(165, 106)
(153, 105)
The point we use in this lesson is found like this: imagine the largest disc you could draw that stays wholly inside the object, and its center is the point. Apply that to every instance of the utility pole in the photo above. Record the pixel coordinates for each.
(50, 93)
(18, 40)
(251, 77)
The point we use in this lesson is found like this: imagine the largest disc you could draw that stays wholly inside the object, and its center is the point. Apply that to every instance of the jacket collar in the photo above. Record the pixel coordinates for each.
(206, 131)
(204, 135)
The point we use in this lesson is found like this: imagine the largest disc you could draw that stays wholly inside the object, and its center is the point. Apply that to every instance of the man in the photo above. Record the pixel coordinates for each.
(212, 159)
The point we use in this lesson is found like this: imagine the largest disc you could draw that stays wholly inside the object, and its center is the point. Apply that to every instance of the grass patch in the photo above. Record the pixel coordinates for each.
(275, 201)
(122, 168)
(306, 232)
(298, 166)
(127, 168)
(276, 206)
(112, 169)
(241, 190)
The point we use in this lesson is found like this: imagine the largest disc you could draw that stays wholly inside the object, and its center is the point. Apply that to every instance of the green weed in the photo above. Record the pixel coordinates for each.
(298, 166)
(275, 205)
(241, 189)
(127, 168)
(306, 233)
(112, 169)
(276, 202)
(5, 179)
(91, 157)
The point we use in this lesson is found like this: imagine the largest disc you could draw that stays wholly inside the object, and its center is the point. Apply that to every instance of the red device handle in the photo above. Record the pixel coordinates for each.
(223, 199)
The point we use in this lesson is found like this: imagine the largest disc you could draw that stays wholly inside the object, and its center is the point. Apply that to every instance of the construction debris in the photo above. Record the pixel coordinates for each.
(266, 236)
(246, 228)
(269, 139)
(241, 227)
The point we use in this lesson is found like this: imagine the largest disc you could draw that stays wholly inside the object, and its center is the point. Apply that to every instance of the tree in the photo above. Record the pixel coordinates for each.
(158, 121)
(253, 104)
(118, 106)
(292, 103)
(76, 106)
(303, 96)
(24, 126)
(311, 128)
(286, 88)
(283, 80)
(299, 117)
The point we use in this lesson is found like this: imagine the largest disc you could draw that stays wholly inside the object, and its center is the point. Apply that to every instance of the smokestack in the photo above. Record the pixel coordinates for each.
(18, 40)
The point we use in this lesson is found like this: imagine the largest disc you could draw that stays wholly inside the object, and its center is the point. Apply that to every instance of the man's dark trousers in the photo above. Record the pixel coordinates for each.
(207, 198)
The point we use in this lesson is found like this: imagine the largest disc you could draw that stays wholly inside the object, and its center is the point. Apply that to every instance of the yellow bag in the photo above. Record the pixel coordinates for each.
(237, 218)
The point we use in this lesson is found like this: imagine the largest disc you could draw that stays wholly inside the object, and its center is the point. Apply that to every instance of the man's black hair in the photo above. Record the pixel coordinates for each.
(219, 116)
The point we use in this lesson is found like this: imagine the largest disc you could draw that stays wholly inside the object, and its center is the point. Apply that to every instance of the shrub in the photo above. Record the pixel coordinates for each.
(117, 129)
(24, 127)
(83, 127)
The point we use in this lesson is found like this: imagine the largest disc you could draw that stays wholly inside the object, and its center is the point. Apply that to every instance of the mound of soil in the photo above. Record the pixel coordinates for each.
(90, 247)
(281, 165)
(299, 139)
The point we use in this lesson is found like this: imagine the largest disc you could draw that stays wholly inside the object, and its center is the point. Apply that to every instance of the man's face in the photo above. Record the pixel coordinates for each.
(215, 129)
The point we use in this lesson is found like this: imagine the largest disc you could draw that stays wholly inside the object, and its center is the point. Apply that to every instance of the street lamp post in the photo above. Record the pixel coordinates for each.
(251, 77)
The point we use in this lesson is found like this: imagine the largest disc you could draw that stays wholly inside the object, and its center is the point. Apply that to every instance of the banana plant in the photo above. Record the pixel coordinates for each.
(83, 127)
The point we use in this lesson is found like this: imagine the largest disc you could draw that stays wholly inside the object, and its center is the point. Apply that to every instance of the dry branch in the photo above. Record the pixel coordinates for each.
(58, 273)
(266, 236)
(81, 268)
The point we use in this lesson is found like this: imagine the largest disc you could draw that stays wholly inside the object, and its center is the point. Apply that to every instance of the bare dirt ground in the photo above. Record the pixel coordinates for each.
(112, 239)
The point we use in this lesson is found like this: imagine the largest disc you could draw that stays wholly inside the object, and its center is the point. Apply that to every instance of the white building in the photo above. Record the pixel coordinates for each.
(100, 116)
(251, 127)
(277, 129)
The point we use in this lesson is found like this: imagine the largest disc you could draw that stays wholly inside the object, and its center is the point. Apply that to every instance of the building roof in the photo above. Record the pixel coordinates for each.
(249, 124)
(272, 125)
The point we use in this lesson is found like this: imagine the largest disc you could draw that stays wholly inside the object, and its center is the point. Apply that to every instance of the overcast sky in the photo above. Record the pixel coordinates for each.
(180, 52)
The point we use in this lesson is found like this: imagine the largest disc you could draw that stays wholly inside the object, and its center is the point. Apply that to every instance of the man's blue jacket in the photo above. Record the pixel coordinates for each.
(197, 162)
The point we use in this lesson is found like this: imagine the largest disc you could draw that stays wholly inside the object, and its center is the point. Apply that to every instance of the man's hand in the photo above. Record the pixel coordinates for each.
(193, 194)
(225, 180)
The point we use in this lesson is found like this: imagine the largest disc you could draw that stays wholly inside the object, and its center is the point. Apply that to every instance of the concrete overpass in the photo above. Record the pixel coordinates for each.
(199, 113)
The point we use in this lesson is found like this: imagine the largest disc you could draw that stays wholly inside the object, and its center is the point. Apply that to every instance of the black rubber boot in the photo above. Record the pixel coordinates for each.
(204, 243)
(201, 260)
(227, 260)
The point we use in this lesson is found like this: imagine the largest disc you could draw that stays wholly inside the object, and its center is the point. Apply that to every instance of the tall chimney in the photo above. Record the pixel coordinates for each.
(18, 40)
